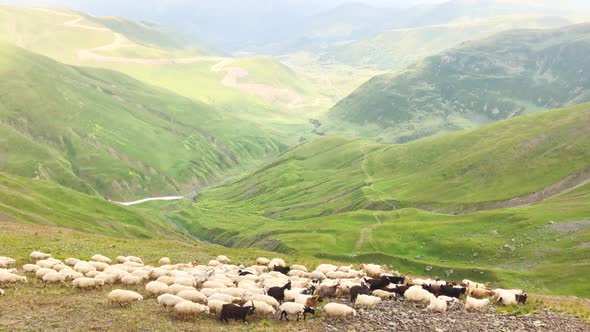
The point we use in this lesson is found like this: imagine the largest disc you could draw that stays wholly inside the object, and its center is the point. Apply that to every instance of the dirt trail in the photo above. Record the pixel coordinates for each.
(367, 233)
(370, 177)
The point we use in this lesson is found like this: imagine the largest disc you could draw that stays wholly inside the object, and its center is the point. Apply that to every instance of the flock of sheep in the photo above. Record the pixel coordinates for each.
(268, 288)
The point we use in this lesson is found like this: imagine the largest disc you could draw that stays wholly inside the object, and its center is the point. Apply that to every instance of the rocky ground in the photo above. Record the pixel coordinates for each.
(399, 316)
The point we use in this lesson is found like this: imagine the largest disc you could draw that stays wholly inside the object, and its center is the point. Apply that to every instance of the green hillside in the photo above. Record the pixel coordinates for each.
(100, 131)
(509, 74)
(352, 199)
(397, 49)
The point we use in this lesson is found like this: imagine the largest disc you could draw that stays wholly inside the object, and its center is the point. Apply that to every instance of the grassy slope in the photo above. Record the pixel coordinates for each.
(100, 131)
(341, 197)
(397, 49)
(512, 73)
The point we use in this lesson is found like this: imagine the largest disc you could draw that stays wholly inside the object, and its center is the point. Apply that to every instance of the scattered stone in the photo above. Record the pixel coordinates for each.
(428, 268)
(419, 257)
(508, 247)
(551, 222)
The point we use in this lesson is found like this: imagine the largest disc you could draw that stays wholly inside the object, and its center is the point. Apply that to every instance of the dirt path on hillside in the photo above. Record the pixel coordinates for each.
(370, 177)
(367, 234)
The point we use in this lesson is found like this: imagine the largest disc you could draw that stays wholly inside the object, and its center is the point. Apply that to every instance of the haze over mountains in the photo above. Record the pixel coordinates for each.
(446, 138)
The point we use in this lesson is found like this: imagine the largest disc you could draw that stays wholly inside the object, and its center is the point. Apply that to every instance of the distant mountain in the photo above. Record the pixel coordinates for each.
(396, 49)
(99, 131)
(509, 74)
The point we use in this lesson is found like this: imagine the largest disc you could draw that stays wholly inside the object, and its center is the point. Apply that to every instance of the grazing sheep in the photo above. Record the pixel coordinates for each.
(107, 279)
(87, 283)
(384, 295)
(185, 281)
(357, 290)
(83, 267)
(156, 288)
(418, 294)
(307, 300)
(46, 263)
(131, 280)
(71, 261)
(509, 298)
(262, 261)
(276, 262)
(372, 270)
(380, 283)
(262, 308)
(215, 306)
(134, 259)
(367, 301)
(298, 273)
(189, 309)
(30, 268)
(214, 263)
(11, 278)
(336, 275)
(6, 262)
(99, 266)
(37, 255)
(472, 284)
(338, 310)
(193, 295)
(318, 275)
(223, 259)
(101, 259)
(298, 267)
(175, 289)
(480, 293)
(55, 278)
(225, 298)
(296, 309)
(325, 268)
(473, 303)
(437, 304)
(164, 261)
(169, 300)
(448, 299)
(213, 284)
(168, 280)
(123, 297)
(265, 298)
(235, 311)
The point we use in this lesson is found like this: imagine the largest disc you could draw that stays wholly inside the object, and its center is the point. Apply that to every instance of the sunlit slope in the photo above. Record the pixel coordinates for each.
(99, 131)
(510, 74)
(416, 205)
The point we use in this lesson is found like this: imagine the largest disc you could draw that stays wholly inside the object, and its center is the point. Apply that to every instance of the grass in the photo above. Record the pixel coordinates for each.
(468, 86)
(357, 200)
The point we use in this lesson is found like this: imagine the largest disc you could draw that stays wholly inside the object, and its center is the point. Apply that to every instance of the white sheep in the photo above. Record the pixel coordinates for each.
(298, 267)
(367, 301)
(55, 278)
(472, 284)
(169, 300)
(262, 261)
(189, 309)
(384, 295)
(325, 268)
(438, 305)
(43, 271)
(83, 267)
(156, 288)
(101, 259)
(473, 303)
(123, 297)
(176, 288)
(71, 261)
(417, 294)
(37, 255)
(298, 273)
(276, 262)
(1, 291)
(87, 283)
(164, 261)
(46, 263)
(107, 279)
(30, 268)
(317, 275)
(193, 295)
(134, 259)
(214, 263)
(6, 262)
(338, 310)
(132, 280)
(372, 270)
(224, 297)
(213, 284)
(11, 278)
(215, 306)
(448, 299)
(168, 280)
(336, 274)
(265, 298)
(291, 309)
(262, 308)
(223, 259)
(99, 266)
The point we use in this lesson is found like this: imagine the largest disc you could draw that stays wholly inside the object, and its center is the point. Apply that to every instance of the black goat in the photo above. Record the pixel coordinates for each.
(401, 290)
(355, 291)
(377, 283)
(244, 273)
(452, 291)
(397, 280)
(521, 298)
(235, 311)
(434, 289)
(309, 291)
(283, 269)
(279, 292)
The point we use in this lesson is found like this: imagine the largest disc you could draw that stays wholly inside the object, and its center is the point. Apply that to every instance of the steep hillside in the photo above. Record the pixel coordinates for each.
(100, 131)
(509, 74)
(397, 49)
(506, 186)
